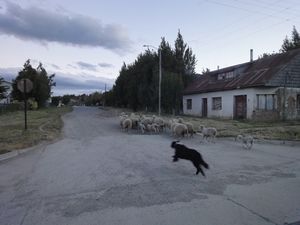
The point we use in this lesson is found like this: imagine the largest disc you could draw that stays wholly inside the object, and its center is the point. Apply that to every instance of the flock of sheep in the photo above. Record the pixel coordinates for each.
(154, 124)
(177, 127)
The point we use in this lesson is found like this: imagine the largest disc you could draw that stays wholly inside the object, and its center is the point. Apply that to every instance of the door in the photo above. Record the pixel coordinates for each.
(240, 107)
(204, 107)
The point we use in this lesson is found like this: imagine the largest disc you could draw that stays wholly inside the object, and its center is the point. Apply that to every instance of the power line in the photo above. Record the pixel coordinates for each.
(241, 8)
(265, 7)
(221, 35)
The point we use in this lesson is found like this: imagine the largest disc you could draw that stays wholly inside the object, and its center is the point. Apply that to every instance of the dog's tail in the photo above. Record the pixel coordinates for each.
(203, 163)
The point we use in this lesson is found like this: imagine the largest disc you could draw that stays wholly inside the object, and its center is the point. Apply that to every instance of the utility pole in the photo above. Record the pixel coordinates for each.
(104, 94)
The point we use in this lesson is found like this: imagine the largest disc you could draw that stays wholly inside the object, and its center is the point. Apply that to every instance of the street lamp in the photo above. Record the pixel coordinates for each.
(159, 80)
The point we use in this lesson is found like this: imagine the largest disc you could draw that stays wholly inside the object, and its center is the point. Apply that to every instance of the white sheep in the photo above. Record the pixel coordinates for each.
(123, 114)
(170, 123)
(135, 120)
(153, 127)
(179, 129)
(141, 127)
(122, 117)
(209, 133)
(160, 121)
(180, 120)
(146, 120)
(190, 127)
(172, 126)
(247, 140)
(126, 124)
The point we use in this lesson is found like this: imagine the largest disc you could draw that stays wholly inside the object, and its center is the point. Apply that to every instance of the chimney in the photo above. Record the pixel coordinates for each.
(251, 55)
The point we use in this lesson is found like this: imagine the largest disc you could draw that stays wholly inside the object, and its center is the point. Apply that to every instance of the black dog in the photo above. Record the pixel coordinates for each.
(183, 152)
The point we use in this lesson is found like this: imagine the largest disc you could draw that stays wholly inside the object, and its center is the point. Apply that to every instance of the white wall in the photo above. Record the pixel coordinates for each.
(227, 102)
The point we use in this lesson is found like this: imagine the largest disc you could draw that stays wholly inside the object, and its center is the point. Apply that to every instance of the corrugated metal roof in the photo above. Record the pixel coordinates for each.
(251, 74)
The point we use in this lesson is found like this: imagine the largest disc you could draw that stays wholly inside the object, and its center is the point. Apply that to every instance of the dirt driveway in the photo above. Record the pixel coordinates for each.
(98, 174)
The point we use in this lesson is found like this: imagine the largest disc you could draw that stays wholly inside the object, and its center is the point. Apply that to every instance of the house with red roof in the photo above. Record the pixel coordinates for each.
(264, 89)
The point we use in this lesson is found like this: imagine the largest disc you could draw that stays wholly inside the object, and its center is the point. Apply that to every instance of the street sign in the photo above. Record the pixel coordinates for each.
(25, 85)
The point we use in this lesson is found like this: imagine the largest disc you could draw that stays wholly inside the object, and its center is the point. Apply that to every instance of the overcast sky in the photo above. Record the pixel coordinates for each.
(86, 42)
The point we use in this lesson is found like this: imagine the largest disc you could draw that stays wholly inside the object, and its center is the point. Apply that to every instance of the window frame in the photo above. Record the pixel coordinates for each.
(266, 102)
(216, 103)
(189, 104)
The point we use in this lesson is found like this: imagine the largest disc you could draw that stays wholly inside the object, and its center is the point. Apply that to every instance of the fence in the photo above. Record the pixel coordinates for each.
(5, 108)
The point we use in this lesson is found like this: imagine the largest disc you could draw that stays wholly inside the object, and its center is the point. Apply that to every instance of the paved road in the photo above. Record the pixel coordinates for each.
(97, 174)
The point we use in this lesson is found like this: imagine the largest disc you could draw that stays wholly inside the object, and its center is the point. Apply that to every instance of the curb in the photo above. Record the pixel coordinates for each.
(8, 155)
(15, 153)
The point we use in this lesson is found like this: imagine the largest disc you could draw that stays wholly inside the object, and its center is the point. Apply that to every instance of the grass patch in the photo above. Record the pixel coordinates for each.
(289, 130)
(43, 124)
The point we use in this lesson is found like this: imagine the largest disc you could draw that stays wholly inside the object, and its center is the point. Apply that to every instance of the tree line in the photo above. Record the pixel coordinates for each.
(93, 99)
(137, 84)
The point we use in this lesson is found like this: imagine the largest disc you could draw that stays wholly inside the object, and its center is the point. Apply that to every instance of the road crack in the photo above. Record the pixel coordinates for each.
(252, 211)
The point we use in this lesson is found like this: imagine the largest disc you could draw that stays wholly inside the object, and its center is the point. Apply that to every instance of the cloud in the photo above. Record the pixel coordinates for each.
(9, 73)
(105, 65)
(72, 66)
(87, 66)
(55, 66)
(38, 24)
(73, 84)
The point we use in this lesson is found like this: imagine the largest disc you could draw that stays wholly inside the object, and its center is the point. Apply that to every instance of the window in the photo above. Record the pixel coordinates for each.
(217, 103)
(266, 102)
(225, 76)
(189, 104)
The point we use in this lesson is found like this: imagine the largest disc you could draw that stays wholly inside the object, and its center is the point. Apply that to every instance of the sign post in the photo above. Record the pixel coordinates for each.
(25, 86)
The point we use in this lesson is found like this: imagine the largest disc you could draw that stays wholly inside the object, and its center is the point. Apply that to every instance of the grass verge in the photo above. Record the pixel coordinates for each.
(275, 130)
(42, 125)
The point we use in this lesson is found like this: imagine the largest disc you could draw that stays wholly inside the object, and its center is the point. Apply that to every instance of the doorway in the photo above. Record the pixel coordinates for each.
(204, 107)
(240, 107)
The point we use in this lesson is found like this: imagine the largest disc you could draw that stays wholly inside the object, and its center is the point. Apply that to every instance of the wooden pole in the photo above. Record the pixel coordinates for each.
(25, 106)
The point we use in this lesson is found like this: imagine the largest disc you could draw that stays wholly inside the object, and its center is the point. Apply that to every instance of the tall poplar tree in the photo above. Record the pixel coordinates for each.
(291, 43)
(185, 60)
